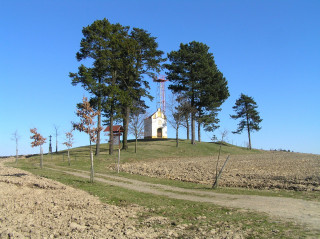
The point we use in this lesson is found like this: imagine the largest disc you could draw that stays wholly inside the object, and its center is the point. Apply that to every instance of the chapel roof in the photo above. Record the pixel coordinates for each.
(115, 128)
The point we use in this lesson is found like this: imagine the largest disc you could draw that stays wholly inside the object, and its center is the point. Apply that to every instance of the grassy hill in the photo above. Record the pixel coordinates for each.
(154, 149)
(147, 150)
(250, 224)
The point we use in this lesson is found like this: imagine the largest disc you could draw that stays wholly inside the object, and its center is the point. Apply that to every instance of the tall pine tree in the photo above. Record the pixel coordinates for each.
(102, 42)
(121, 57)
(246, 110)
(194, 75)
(142, 58)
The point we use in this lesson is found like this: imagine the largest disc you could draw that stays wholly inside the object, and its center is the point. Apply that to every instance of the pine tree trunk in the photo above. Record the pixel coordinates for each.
(126, 120)
(99, 126)
(99, 120)
(193, 123)
(91, 168)
(177, 137)
(188, 128)
(199, 133)
(136, 144)
(248, 126)
(114, 76)
(193, 133)
(249, 137)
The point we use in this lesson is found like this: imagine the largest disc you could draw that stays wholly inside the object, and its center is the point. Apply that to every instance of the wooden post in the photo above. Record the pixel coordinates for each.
(92, 170)
(118, 159)
(41, 156)
(114, 132)
(68, 158)
(119, 152)
(16, 154)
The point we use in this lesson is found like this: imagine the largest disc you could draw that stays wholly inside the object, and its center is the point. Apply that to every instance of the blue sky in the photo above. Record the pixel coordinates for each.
(269, 50)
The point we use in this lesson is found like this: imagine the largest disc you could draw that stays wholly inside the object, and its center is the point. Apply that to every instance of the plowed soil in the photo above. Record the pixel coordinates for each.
(275, 170)
(34, 207)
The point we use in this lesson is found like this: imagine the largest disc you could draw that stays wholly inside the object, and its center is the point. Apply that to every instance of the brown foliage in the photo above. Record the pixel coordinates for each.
(38, 139)
(69, 141)
(87, 114)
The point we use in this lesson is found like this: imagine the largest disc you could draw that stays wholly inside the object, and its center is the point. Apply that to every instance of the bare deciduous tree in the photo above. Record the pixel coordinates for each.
(56, 129)
(38, 140)
(187, 124)
(218, 174)
(224, 135)
(186, 110)
(136, 126)
(177, 113)
(16, 137)
(68, 143)
(87, 114)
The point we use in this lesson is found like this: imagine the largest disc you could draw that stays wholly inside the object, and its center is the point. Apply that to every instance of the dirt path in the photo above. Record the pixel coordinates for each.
(300, 211)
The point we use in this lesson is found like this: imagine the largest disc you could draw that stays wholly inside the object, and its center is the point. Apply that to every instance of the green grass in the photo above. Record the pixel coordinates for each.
(149, 150)
(154, 149)
(179, 212)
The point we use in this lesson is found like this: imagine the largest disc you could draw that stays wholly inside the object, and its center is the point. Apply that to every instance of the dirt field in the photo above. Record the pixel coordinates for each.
(292, 171)
(34, 207)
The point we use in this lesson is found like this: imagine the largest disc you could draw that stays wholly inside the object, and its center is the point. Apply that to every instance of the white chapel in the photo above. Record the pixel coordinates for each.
(155, 126)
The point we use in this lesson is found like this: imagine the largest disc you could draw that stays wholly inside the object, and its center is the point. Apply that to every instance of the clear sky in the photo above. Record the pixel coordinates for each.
(269, 50)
